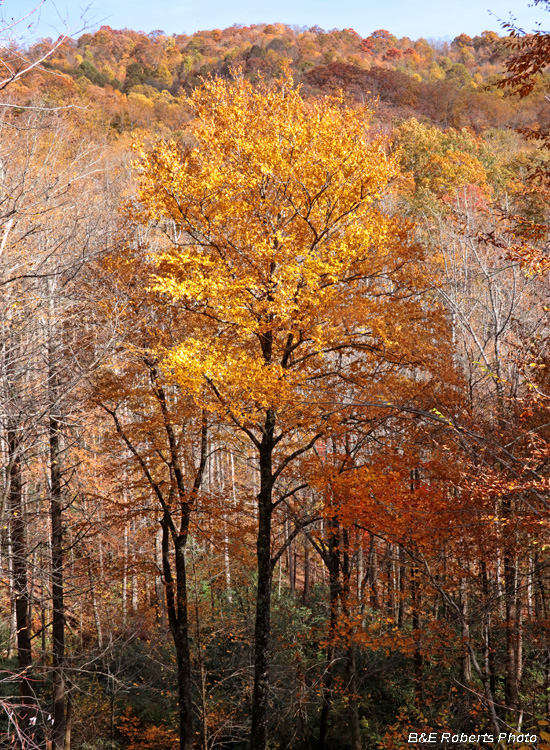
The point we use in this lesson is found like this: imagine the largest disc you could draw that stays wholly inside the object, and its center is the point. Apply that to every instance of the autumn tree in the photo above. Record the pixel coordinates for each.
(297, 282)
(163, 434)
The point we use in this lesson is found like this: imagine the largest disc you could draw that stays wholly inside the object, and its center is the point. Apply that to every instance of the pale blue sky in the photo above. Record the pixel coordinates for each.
(413, 18)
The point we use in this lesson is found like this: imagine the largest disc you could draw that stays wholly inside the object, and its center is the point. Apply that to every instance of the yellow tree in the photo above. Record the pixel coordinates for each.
(297, 283)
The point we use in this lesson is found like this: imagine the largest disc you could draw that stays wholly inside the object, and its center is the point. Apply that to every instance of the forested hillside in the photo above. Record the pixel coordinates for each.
(135, 80)
(275, 430)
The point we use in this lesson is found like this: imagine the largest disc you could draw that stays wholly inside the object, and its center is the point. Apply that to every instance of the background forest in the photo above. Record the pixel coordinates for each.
(274, 390)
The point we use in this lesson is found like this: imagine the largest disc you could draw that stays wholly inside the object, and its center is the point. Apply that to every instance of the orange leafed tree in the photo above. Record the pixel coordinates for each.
(297, 284)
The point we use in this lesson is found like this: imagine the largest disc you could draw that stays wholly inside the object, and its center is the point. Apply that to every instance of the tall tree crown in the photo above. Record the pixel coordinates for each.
(279, 245)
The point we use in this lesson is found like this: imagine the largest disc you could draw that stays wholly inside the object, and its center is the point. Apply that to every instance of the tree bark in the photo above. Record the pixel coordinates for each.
(260, 696)
(19, 567)
(307, 579)
(418, 659)
(58, 608)
(465, 632)
(489, 655)
(511, 594)
(512, 635)
(332, 561)
(68, 723)
(351, 666)
(176, 605)
(402, 573)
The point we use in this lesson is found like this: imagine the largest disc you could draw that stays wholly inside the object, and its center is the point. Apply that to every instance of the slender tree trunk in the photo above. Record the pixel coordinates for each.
(19, 567)
(487, 641)
(125, 574)
(402, 580)
(512, 636)
(332, 562)
(360, 573)
(355, 727)
(133, 575)
(176, 605)
(12, 639)
(418, 660)
(351, 667)
(199, 646)
(373, 575)
(416, 605)
(465, 628)
(68, 723)
(307, 582)
(389, 580)
(95, 605)
(260, 696)
(290, 559)
(160, 600)
(58, 609)
(511, 687)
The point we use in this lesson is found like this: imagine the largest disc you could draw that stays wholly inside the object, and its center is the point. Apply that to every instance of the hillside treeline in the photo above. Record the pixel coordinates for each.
(139, 80)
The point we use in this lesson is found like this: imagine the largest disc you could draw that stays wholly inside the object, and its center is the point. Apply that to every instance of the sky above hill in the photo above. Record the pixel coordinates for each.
(430, 19)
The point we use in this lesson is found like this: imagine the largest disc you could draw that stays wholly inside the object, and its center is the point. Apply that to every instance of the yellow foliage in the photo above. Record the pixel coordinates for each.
(441, 161)
(279, 249)
(140, 99)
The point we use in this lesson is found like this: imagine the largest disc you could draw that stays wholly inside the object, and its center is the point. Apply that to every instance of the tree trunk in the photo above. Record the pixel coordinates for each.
(373, 575)
(95, 605)
(290, 560)
(417, 625)
(332, 562)
(351, 667)
(58, 609)
(260, 696)
(307, 582)
(465, 632)
(402, 573)
(176, 605)
(19, 568)
(68, 723)
(159, 591)
(489, 655)
(511, 686)
(512, 635)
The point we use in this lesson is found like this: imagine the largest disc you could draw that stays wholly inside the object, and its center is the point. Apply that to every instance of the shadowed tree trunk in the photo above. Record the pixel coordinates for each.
(260, 697)
(331, 558)
(351, 665)
(19, 567)
(58, 609)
